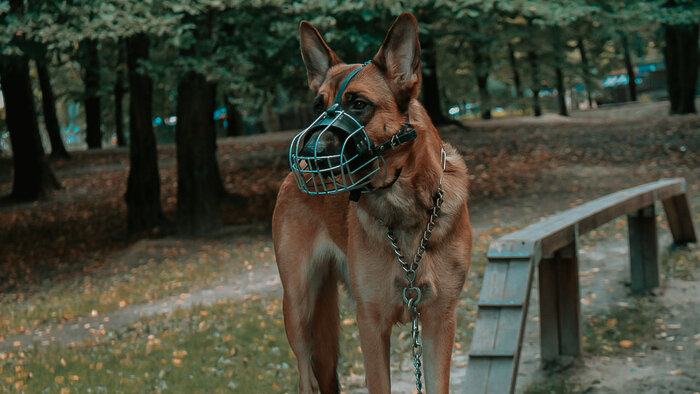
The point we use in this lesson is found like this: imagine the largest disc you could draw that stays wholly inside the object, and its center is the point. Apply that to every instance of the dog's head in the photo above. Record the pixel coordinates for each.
(362, 110)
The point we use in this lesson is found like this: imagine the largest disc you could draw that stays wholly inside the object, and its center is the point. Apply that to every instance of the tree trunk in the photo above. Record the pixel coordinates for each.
(484, 97)
(481, 63)
(681, 57)
(93, 108)
(561, 92)
(199, 183)
(119, 96)
(48, 102)
(431, 90)
(234, 119)
(532, 58)
(586, 70)
(144, 211)
(630, 68)
(516, 73)
(33, 177)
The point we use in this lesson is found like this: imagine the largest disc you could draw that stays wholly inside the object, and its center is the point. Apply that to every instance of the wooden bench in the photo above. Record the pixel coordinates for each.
(551, 246)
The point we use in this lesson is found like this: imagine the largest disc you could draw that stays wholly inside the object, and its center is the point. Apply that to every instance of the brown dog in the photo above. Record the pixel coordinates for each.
(321, 240)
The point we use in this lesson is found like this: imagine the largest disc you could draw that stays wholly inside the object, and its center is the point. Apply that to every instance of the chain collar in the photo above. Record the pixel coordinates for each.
(413, 294)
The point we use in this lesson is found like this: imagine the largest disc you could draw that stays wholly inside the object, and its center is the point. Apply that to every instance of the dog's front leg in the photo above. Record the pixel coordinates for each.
(375, 338)
(438, 338)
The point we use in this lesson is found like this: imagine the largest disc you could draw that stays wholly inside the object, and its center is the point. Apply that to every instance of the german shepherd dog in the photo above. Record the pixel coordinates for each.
(323, 237)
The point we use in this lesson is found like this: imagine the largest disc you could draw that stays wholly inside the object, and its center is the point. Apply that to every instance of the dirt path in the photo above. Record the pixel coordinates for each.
(263, 281)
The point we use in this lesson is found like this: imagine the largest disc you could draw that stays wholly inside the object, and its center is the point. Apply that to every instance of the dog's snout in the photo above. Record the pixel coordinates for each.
(321, 144)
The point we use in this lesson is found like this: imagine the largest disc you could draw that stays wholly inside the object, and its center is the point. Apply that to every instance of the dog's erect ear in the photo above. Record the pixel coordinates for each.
(318, 56)
(399, 58)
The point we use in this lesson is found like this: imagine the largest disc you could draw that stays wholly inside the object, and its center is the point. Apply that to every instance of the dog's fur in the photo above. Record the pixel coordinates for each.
(323, 240)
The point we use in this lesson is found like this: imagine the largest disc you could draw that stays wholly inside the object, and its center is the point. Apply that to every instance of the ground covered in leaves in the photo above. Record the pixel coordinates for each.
(67, 258)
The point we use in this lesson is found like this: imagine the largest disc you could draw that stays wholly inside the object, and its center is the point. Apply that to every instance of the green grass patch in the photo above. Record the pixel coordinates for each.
(158, 270)
(229, 347)
(556, 384)
(620, 331)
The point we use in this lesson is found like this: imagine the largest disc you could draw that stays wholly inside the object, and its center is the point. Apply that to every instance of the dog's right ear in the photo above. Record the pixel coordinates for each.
(318, 56)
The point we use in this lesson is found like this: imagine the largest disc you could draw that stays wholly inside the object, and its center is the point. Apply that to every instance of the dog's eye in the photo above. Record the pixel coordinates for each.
(318, 105)
(359, 104)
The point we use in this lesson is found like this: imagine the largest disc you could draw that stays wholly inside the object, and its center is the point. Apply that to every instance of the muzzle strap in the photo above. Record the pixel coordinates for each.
(406, 134)
(346, 81)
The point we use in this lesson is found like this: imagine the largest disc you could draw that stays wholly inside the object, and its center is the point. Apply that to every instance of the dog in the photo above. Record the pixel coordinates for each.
(328, 230)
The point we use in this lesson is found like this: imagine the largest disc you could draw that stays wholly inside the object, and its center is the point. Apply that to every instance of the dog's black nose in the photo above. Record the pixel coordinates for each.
(321, 145)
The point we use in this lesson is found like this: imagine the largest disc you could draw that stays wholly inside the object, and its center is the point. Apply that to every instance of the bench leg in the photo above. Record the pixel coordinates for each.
(644, 250)
(560, 305)
(680, 219)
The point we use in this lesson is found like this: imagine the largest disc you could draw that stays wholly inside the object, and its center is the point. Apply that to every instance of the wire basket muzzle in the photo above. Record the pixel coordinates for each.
(333, 155)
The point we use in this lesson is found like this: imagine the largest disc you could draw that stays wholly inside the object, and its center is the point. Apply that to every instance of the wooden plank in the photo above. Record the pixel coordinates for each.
(644, 250)
(494, 353)
(680, 219)
(486, 329)
(508, 335)
(500, 304)
(477, 377)
(495, 276)
(560, 306)
(568, 301)
(559, 230)
(549, 314)
(517, 284)
(501, 376)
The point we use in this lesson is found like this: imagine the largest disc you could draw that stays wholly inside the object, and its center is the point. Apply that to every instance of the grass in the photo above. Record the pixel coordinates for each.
(622, 330)
(237, 346)
(159, 270)
(234, 345)
(556, 384)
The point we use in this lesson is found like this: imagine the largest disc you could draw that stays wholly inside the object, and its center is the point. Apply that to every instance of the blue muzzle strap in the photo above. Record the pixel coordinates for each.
(346, 81)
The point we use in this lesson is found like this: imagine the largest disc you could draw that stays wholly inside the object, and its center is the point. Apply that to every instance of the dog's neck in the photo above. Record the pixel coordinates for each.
(419, 163)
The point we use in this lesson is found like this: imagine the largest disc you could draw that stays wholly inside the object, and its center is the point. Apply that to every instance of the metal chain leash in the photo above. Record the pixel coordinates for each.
(412, 294)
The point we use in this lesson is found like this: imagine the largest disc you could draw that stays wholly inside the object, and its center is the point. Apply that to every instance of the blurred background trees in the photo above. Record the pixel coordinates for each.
(190, 72)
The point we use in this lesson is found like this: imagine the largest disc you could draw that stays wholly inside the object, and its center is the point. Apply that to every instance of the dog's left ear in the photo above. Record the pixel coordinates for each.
(399, 59)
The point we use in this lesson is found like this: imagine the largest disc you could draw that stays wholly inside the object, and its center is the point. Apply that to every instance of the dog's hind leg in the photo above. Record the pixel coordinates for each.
(324, 336)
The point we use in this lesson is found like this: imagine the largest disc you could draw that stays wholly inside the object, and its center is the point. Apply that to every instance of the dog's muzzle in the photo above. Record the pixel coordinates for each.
(333, 154)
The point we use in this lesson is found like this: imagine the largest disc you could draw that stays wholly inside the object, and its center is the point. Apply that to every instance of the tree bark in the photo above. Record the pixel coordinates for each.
(516, 73)
(48, 102)
(144, 211)
(481, 64)
(681, 57)
(93, 108)
(33, 177)
(234, 119)
(586, 70)
(431, 89)
(561, 92)
(119, 96)
(630, 68)
(199, 184)
(532, 58)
